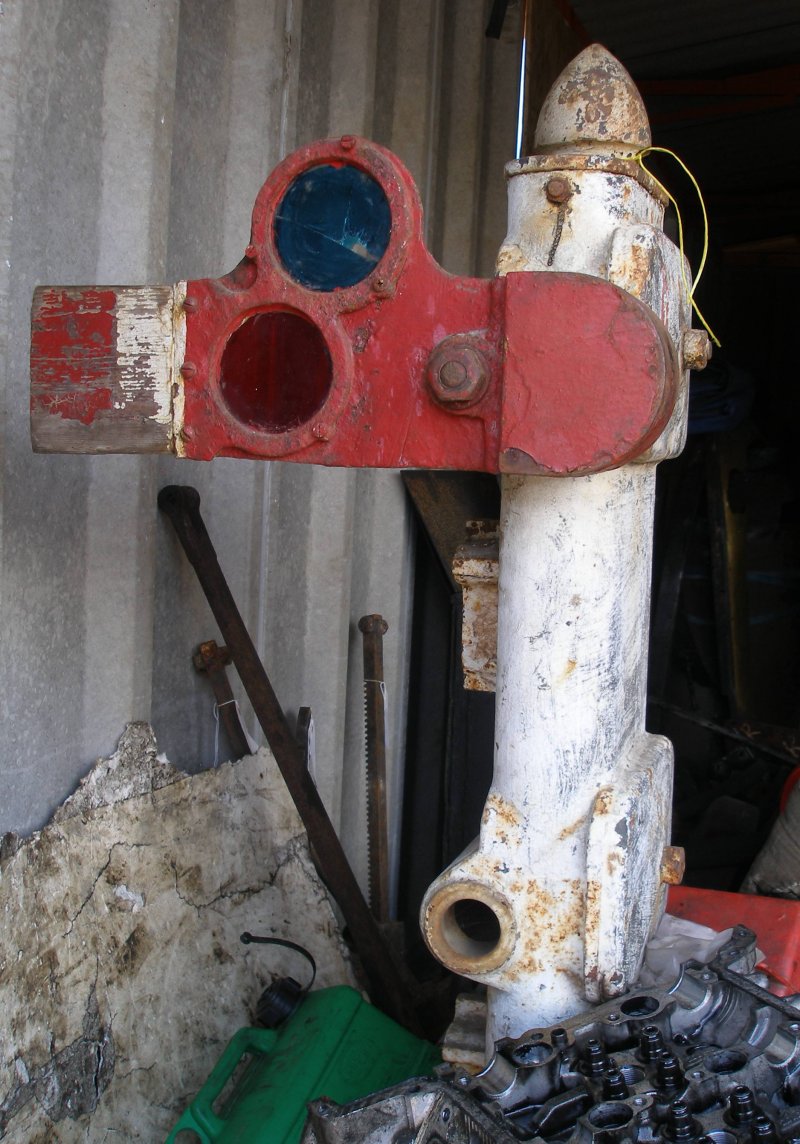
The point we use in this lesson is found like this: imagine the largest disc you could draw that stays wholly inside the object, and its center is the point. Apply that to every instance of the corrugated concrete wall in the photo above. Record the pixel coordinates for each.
(134, 135)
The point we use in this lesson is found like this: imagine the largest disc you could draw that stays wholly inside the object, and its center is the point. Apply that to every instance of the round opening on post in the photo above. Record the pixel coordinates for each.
(468, 926)
(276, 371)
(332, 227)
(471, 927)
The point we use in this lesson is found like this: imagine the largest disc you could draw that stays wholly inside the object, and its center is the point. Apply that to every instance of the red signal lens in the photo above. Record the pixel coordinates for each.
(276, 371)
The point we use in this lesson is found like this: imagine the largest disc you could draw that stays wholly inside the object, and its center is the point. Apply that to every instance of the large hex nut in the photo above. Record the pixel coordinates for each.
(457, 372)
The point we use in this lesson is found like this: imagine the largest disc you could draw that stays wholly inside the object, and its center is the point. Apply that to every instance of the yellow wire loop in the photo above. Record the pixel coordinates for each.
(689, 289)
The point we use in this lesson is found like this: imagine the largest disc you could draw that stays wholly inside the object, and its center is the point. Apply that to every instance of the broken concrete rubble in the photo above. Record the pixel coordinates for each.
(121, 972)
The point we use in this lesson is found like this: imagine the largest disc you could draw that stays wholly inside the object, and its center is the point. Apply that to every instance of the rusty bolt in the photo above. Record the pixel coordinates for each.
(189, 305)
(381, 286)
(347, 142)
(457, 372)
(696, 349)
(188, 369)
(558, 190)
(673, 864)
(453, 374)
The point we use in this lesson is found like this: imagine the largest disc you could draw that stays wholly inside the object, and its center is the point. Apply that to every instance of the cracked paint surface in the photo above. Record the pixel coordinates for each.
(121, 972)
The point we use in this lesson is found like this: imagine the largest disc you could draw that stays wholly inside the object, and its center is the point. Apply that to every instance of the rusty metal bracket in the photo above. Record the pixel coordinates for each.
(387, 988)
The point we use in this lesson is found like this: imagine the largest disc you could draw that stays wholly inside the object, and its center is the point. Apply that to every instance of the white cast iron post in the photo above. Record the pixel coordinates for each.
(554, 903)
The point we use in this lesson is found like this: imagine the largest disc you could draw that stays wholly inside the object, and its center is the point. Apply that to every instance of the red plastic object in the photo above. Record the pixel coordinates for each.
(775, 921)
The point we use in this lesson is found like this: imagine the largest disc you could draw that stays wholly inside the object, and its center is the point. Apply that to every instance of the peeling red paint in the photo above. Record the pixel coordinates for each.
(77, 404)
(580, 375)
(73, 339)
(569, 374)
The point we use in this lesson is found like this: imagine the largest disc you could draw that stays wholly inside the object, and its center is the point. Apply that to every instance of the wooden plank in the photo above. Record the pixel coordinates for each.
(102, 374)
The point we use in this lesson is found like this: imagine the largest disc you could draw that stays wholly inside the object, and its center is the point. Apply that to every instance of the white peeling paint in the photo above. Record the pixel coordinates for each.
(569, 853)
(177, 391)
(144, 346)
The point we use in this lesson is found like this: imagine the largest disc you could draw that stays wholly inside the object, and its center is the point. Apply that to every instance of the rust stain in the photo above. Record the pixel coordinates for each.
(503, 811)
(571, 975)
(591, 96)
(603, 803)
(635, 270)
(568, 831)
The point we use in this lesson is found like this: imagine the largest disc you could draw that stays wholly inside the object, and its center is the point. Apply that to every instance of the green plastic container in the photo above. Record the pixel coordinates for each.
(335, 1045)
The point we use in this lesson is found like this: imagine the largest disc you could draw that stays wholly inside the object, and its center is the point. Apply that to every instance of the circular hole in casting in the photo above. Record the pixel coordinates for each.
(332, 227)
(632, 1074)
(609, 1116)
(531, 1053)
(276, 371)
(639, 1006)
(471, 928)
(725, 1061)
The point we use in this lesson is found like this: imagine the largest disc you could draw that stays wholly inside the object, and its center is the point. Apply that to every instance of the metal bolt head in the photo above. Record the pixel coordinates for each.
(458, 372)
(382, 287)
(558, 190)
(673, 864)
(453, 374)
(696, 349)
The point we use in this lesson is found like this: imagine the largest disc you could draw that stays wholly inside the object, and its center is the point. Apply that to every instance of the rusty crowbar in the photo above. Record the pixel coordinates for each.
(387, 988)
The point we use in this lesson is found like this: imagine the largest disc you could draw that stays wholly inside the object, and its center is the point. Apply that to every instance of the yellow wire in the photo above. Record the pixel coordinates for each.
(689, 289)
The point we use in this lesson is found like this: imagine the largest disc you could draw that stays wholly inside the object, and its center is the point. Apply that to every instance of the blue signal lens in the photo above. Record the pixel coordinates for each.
(332, 227)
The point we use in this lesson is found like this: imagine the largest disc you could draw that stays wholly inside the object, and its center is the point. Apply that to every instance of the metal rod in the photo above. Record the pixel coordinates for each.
(522, 103)
(734, 731)
(387, 989)
(373, 629)
(210, 659)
